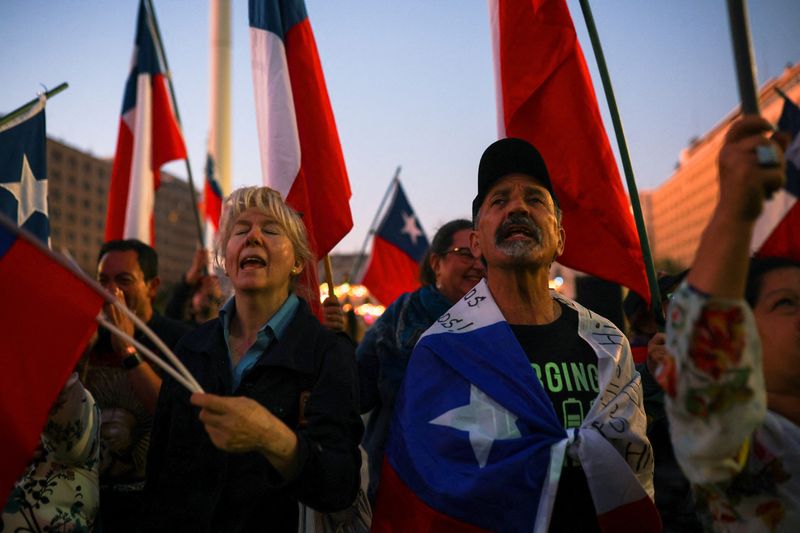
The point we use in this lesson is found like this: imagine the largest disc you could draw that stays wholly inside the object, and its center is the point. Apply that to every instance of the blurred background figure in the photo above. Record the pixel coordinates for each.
(197, 297)
(448, 272)
(60, 489)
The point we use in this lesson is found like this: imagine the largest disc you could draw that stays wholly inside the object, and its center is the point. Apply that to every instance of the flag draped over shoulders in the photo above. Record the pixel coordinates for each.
(476, 444)
(545, 96)
(777, 231)
(149, 136)
(48, 317)
(398, 247)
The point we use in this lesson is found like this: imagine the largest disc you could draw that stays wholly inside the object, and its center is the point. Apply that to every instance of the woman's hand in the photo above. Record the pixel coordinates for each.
(239, 424)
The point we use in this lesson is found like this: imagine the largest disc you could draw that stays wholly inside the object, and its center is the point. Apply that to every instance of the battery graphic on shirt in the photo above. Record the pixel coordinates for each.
(572, 410)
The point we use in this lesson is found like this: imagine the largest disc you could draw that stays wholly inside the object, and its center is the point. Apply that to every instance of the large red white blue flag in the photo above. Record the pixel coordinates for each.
(476, 445)
(149, 136)
(545, 96)
(23, 171)
(49, 318)
(398, 247)
(777, 230)
(300, 152)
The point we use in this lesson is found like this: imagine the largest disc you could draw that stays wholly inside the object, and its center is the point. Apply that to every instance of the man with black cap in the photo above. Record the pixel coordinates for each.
(528, 404)
(518, 232)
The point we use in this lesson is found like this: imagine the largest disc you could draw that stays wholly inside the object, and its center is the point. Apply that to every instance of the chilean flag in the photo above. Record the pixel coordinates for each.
(211, 207)
(397, 249)
(545, 96)
(149, 136)
(48, 318)
(301, 157)
(777, 231)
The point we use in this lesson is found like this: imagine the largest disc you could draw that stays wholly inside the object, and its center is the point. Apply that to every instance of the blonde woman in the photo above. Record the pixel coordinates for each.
(279, 422)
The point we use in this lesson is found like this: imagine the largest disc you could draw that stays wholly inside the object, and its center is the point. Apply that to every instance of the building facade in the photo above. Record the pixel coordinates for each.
(677, 212)
(77, 199)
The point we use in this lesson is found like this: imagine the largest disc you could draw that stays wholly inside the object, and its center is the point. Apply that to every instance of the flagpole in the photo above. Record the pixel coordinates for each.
(633, 192)
(743, 56)
(157, 35)
(361, 254)
(24, 108)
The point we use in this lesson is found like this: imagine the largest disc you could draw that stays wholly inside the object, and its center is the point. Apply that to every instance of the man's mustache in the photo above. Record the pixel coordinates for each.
(517, 220)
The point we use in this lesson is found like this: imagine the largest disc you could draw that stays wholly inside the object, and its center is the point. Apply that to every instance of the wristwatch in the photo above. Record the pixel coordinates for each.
(132, 360)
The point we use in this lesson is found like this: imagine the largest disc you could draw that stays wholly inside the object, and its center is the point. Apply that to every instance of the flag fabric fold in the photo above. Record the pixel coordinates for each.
(23, 171)
(149, 136)
(545, 96)
(49, 318)
(300, 152)
(476, 444)
(777, 230)
(398, 246)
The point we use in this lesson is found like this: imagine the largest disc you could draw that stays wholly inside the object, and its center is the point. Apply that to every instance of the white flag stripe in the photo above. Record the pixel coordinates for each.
(141, 196)
(494, 25)
(279, 142)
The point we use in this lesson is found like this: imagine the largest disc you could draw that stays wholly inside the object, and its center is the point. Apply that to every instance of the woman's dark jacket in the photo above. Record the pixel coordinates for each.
(193, 486)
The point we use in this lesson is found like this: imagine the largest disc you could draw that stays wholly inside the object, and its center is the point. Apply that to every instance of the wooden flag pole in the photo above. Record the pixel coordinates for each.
(361, 254)
(743, 56)
(8, 117)
(329, 275)
(156, 32)
(633, 192)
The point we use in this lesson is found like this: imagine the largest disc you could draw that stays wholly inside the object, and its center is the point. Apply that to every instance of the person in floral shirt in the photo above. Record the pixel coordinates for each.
(732, 370)
(59, 490)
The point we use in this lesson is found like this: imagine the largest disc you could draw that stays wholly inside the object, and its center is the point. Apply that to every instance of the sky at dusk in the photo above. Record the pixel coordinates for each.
(411, 83)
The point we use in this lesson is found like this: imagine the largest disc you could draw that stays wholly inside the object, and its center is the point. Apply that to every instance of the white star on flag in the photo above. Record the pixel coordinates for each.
(484, 419)
(31, 194)
(410, 227)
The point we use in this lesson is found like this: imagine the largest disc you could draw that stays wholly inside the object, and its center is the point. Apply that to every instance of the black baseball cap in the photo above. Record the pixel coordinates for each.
(510, 156)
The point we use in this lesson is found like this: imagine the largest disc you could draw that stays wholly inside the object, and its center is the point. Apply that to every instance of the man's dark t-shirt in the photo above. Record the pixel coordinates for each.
(567, 368)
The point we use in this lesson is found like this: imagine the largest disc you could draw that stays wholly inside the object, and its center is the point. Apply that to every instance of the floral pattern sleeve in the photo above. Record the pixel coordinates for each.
(737, 454)
(714, 384)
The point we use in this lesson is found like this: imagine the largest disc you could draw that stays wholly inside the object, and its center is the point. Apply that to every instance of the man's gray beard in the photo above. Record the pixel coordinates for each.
(517, 249)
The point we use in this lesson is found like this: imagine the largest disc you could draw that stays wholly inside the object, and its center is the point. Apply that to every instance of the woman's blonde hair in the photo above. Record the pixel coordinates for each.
(270, 202)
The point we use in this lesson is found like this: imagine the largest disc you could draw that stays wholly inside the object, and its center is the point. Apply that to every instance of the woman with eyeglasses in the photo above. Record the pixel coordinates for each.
(279, 421)
(447, 273)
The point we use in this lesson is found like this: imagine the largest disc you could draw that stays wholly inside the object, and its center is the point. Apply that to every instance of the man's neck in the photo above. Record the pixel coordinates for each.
(523, 296)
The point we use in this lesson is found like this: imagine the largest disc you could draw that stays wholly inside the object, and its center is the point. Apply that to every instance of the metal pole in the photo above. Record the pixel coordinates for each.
(156, 33)
(24, 108)
(743, 56)
(655, 296)
(362, 254)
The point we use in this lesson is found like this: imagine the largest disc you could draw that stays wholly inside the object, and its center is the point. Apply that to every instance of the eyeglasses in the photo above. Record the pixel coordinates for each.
(462, 253)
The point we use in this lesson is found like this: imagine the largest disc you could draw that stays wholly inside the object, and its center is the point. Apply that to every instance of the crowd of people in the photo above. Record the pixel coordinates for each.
(690, 426)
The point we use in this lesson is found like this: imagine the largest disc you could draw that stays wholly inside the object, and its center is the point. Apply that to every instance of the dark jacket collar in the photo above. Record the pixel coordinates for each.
(303, 330)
